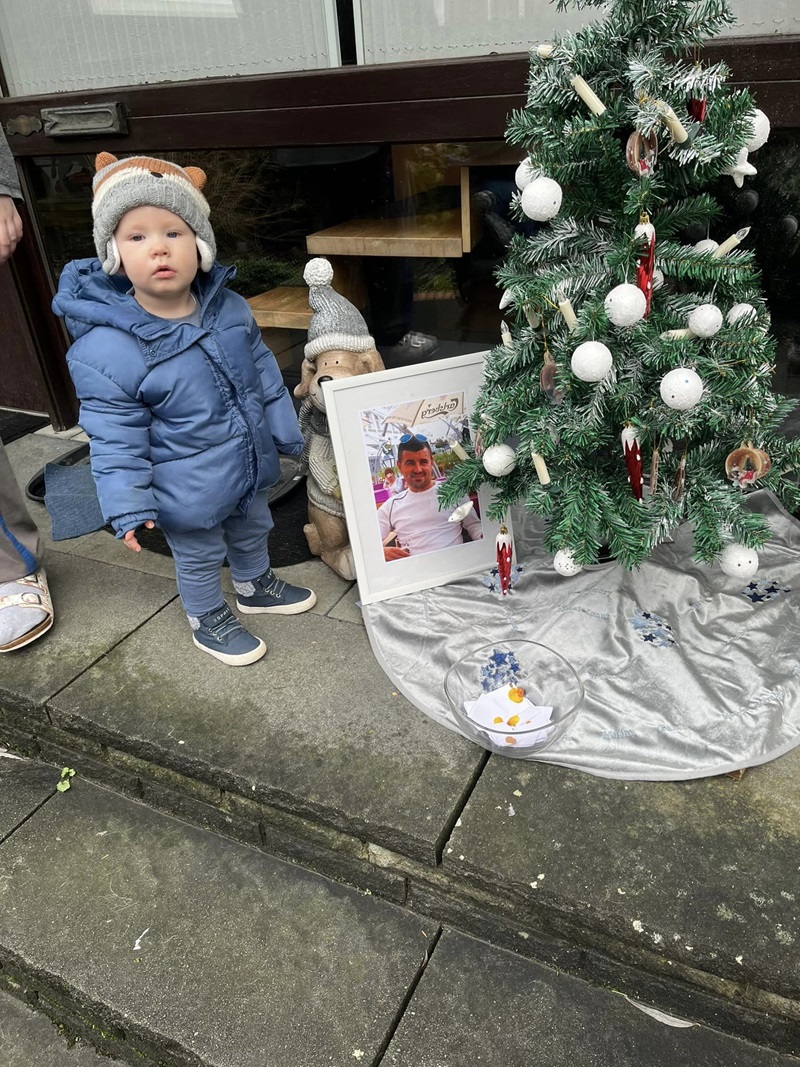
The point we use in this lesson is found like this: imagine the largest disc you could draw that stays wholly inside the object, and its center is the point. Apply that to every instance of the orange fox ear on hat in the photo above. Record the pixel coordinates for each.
(139, 181)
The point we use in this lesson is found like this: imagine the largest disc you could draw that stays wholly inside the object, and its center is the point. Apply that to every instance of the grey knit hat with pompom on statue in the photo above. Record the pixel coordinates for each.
(336, 324)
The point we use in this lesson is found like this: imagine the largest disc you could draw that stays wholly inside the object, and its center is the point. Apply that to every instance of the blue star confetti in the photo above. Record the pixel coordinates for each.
(652, 628)
(502, 668)
(492, 579)
(764, 589)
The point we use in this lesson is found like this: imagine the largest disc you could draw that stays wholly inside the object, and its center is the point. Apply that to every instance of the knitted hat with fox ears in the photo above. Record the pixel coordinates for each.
(140, 181)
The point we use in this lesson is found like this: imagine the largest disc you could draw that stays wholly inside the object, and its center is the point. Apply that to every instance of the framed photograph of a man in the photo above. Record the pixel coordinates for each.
(396, 434)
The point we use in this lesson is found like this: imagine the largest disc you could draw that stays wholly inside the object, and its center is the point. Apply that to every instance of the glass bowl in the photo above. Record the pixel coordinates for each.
(519, 674)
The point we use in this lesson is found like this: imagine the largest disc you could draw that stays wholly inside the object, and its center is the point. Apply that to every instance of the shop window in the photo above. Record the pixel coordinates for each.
(48, 47)
(444, 29)
(415, 234)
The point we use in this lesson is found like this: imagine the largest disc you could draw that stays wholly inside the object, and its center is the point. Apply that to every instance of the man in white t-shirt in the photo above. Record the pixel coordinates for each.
(410, 521)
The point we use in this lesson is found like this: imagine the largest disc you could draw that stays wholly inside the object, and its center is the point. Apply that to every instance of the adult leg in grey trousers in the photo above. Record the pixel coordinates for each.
(25, 608)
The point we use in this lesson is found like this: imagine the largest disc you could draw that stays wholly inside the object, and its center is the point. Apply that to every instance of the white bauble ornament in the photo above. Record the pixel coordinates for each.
(524, 174)
(625, 305)
(739, 561)
(658, 278)
(541, 199)
(705, 321)
(591, 361)
(681, 388)
(741, 313)
(761, 131)
(499, 460)
(564, 563)
(706, 246)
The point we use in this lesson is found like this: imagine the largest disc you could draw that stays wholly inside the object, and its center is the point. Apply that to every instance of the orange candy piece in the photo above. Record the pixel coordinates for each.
(511, 740)
(516, 694)
(514, 720)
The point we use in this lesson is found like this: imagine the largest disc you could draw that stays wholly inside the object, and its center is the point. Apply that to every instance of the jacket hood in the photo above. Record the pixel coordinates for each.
(88, 297)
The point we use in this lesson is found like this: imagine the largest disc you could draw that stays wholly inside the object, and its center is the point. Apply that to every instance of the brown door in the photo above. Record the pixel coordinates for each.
(21, 381)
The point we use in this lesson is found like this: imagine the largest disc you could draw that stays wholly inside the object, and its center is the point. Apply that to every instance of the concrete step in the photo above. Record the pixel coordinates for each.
(684, 893)
(162, 944)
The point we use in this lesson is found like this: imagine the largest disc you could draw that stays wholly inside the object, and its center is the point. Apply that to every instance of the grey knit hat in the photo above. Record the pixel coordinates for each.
(139, 181)
(336, 324)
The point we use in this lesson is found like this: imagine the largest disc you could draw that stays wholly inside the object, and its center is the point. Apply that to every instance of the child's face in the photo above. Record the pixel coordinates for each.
(158, 252)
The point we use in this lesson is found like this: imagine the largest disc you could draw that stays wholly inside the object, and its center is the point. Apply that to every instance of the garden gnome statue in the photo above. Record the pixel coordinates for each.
(339, 346)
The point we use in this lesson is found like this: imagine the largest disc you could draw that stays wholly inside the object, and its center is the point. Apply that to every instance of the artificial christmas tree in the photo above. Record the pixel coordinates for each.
(632, 346)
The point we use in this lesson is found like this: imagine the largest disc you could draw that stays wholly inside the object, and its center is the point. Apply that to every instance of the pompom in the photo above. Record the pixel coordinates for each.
(591, 361)
(681, 388)
(705, 321)
(761, 131)
(741, 313)
(625, 305)
(564, 563)
(739, 561)
(318, 272)
(541, 199)
(499, 460)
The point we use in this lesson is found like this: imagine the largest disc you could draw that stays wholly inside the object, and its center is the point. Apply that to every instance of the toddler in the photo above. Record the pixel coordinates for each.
(183, 403)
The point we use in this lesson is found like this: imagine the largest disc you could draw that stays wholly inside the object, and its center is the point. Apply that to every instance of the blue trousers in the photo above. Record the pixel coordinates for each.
(199, 555)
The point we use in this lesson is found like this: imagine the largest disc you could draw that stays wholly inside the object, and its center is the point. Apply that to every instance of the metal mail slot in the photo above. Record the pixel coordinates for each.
(84, 120)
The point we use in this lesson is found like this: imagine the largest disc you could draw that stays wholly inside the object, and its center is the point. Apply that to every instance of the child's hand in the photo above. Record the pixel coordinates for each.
(130, 537)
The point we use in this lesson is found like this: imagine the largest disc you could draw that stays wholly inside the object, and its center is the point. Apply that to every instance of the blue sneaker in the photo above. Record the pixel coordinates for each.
(273, 596)
(222, 636)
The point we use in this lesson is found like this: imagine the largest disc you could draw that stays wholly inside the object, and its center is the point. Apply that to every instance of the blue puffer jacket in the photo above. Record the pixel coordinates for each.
(185, 422)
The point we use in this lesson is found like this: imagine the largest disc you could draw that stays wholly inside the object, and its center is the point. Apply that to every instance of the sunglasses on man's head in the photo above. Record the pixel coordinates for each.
(413, 437)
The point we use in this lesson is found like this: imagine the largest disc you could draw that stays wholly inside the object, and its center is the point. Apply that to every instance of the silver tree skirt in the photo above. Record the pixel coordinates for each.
(687, 672)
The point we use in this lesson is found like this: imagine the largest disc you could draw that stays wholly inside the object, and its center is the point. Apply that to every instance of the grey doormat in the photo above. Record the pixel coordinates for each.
(687, 672)
(16, 424)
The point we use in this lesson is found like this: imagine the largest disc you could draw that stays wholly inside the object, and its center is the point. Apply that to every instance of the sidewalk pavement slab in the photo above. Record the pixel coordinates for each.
(701, 873)
(314, 728)
(23, 787)
(199, 950)
(478, 1006)
(96, 606)
(27, 1039)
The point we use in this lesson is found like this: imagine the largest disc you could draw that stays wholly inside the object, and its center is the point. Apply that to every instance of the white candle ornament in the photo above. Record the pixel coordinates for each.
(541, 199)
(564, 563)
(567, 310)
(505, 334)
(588, 95)
(458, 450)
(676, 335)
(706, 320)
(681, 388)
(675, 126)
(591, 361)
(732, 242)
(739, 561)
(499, 460)
(542, 473)
(761, 131)
(545, 49)
(625, 305)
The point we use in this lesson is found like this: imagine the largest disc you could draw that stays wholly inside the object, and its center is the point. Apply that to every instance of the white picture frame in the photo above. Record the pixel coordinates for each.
(360, 411)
